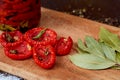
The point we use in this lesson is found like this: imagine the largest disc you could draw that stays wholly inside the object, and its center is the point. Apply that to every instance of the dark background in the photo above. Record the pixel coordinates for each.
(106, 11)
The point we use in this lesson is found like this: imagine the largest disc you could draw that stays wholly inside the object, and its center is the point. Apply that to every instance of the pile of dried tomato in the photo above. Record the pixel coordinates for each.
(40, 43)
(17, 12)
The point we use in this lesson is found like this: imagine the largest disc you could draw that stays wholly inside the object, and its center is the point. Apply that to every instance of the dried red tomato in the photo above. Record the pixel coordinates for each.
(14, 12)
(11, 38)
(44, 56)
(24, 16)
(23, 4)
(12, 1)
(19, 52)
(63, 46)
(46, 36)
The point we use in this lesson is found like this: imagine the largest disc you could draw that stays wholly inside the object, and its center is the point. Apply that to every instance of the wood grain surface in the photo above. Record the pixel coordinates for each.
(64, 25)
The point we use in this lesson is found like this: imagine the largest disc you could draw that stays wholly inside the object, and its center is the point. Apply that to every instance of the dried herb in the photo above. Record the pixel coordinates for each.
(101, 54)
(40, 34)
(94, 55)
(5, 27)
(110, 39)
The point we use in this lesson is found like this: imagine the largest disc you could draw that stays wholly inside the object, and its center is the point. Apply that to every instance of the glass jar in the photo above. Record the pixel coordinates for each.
(20, 13)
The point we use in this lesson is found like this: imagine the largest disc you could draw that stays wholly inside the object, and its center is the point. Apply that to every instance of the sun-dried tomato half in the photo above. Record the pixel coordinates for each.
(19, 52)
(44, 56)
(11, 38)
(63, 46)
(42, 36)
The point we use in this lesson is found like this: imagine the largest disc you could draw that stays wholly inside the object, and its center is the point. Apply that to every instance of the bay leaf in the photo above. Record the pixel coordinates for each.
(100, 55)
(90, 61)
(94, 46)
(81, 46)
(110, 39)
(116, 67)
(109, 52)
(118, 58)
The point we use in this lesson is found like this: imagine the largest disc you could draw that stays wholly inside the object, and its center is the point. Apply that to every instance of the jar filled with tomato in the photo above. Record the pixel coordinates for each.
(20, 13)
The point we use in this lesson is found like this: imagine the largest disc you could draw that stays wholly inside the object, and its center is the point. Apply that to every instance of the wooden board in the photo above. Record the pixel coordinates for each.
(64, 25)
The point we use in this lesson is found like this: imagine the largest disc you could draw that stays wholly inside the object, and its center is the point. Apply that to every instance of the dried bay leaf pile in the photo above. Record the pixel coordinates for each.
(98, 54)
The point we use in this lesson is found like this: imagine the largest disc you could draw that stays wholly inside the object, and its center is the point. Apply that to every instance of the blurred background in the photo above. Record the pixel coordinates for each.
(104, 11)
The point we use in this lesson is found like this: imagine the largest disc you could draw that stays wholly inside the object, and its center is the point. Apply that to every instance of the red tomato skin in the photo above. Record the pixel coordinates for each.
(48, 61)
(63, 46)
(23, 51)
(5, 43)
(49, 37)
